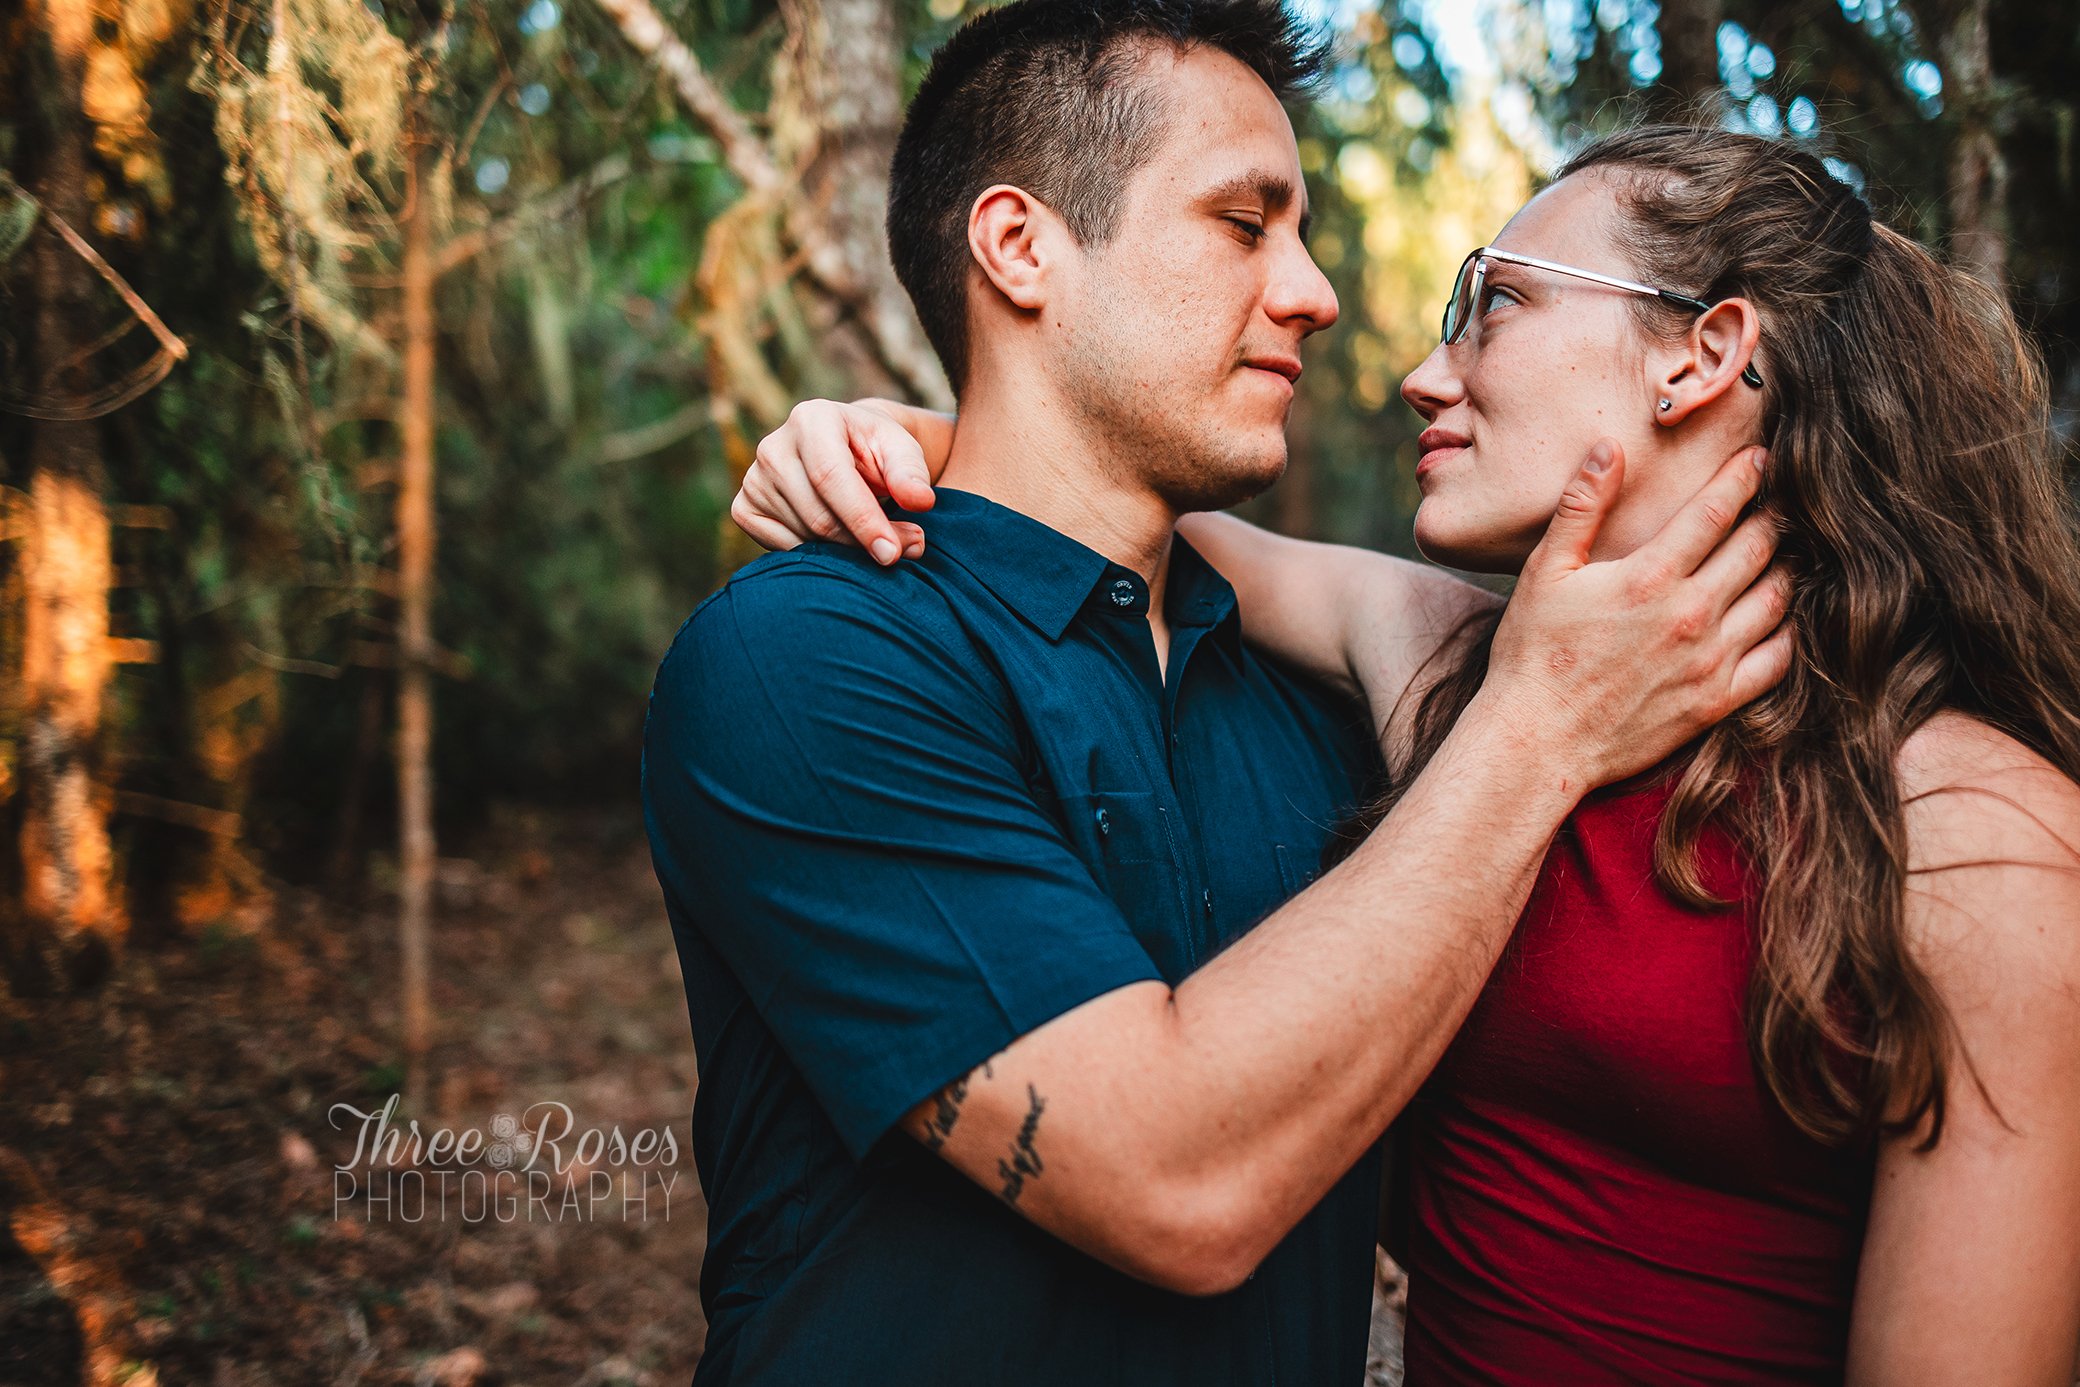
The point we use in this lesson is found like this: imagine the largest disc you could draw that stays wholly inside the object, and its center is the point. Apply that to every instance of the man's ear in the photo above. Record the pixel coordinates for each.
(1011, 235)
(1710, 360)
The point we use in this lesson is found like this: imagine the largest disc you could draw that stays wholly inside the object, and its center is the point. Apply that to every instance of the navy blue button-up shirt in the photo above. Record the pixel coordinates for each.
(904, 817)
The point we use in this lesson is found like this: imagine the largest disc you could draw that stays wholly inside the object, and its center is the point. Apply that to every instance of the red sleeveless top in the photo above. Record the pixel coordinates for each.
(1600, 1189)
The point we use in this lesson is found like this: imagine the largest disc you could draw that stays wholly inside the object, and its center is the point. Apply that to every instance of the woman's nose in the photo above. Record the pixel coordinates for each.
(1434, 386)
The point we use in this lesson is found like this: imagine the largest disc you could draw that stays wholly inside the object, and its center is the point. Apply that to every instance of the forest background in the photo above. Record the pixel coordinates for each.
(374, 376)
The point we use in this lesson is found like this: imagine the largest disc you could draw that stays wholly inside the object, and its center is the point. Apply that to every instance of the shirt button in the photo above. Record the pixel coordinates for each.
(1104, 824)
(1122, 598)
(1209, 905)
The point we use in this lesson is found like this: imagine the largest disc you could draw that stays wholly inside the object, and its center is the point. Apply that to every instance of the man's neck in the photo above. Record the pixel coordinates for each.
(1031, 456)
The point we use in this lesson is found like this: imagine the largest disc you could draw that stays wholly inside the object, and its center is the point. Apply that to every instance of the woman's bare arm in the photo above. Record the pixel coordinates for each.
(1971, 1267)
(1363, 621)
(822, 474)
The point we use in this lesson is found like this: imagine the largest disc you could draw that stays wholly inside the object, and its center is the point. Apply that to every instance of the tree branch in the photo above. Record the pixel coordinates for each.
(823, 260)
(647, 33)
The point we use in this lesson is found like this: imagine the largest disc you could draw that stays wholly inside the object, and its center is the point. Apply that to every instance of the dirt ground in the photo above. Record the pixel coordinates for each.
(171, 1205)
(168, 1166)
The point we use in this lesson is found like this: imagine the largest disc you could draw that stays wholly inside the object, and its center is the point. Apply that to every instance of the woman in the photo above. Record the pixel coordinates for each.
(1777, 1079)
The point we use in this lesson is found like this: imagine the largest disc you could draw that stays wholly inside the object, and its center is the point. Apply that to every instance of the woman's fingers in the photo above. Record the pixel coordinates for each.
(822, 474)
(764, 510)
(759, 496)
(891, 458)
(762, 495)
(829, 460)
(812, 518)
(765, 532)
(829, 490)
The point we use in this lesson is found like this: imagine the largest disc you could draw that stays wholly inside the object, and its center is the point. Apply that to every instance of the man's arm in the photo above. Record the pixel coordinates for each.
(1179, 1133)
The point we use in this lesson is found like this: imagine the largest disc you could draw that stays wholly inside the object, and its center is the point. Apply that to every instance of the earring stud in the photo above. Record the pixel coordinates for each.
(1667, 405)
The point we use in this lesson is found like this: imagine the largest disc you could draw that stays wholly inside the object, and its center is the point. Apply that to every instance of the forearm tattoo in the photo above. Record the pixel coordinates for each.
(946, 1109)
(1024, 1163)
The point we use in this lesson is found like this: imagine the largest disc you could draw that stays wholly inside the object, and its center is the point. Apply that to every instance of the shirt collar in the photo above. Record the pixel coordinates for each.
(1047, 578)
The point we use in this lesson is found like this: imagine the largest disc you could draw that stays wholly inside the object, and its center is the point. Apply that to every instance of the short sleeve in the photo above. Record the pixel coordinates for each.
(834, 802)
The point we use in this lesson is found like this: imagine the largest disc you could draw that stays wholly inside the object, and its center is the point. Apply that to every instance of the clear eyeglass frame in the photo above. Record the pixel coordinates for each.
(1473, 276)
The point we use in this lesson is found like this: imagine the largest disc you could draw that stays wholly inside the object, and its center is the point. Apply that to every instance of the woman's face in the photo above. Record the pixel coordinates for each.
(1548, 365)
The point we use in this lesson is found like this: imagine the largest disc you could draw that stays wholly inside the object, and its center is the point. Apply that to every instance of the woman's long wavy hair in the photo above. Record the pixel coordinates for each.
(1915, 472)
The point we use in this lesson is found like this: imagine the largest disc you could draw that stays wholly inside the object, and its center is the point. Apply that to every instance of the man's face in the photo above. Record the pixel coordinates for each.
(1179, 338)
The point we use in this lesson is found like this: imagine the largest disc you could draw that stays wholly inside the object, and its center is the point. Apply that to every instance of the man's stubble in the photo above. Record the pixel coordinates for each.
(1156, 434)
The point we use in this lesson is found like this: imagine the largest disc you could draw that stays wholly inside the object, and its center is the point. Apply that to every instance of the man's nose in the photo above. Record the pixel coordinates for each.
(1300, 293)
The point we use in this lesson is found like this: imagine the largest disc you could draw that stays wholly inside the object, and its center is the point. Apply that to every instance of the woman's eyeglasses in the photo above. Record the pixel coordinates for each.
(1473, 276)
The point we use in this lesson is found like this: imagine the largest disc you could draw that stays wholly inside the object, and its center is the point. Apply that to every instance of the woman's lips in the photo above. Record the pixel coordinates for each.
(1436, 454)
(1438, 447)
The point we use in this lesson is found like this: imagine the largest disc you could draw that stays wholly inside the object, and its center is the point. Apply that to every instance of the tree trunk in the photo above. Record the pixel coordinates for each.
(67, 871)
(1689, 53)
(415, 542)
(844, 64)
(861, 28)
(1978, 169)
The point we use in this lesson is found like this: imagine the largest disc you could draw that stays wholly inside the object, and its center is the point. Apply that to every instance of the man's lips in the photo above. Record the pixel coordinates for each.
(1437, 445)
(1286, 367)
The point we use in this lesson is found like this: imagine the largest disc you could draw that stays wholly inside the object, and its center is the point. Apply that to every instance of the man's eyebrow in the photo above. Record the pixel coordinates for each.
(1275, 191)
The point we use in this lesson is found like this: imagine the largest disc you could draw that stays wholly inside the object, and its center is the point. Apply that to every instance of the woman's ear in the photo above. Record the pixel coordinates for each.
(1710, 361)
(1008, 232)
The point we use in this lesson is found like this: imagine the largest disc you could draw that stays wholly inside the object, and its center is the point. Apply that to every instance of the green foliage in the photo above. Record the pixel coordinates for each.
(17, 219)
(582, 481)
(561, 576)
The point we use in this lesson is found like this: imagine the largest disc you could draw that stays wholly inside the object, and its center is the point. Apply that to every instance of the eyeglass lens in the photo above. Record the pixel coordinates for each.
(1459, 311)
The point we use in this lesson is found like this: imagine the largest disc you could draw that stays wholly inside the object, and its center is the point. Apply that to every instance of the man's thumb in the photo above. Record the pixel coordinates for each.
(1583, 505)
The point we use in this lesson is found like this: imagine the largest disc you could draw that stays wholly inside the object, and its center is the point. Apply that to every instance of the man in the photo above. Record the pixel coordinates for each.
(1014, 1068)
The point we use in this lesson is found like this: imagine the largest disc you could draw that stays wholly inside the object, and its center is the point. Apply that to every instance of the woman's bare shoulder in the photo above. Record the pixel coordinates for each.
(1968, 773)
(1994, 847)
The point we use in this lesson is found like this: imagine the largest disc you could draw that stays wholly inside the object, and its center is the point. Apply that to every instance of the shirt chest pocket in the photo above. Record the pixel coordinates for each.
(1294, 874)
(1131, 837)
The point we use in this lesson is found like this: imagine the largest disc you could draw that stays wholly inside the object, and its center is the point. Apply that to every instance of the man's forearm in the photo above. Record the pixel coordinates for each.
(1298, 1046)
(1181, 1133)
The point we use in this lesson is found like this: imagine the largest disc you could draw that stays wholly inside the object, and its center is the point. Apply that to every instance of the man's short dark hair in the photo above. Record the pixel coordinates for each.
(1046, 95)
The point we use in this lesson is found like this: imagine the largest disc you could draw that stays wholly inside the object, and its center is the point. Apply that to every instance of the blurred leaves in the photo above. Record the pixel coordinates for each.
(618, 321)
